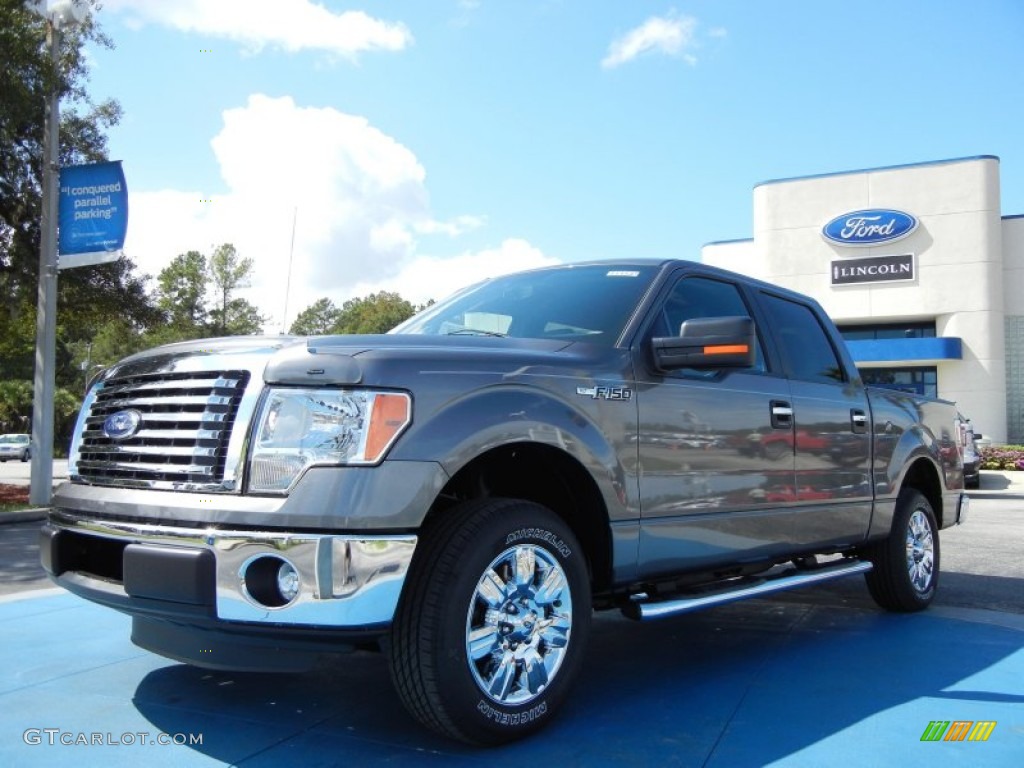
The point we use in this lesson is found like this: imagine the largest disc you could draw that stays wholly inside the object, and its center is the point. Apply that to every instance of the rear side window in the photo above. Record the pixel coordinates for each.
(806, 350)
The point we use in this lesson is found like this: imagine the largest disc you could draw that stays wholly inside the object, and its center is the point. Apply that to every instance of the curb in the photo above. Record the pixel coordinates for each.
(24, 516)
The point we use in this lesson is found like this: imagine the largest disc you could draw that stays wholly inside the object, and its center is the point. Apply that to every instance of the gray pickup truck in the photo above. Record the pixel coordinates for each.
(463, 492)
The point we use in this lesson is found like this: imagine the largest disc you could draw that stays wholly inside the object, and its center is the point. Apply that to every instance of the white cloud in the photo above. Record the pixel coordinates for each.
(670, 35)
(289, 24)
(362, 211)
(457, 226)
(432, 277)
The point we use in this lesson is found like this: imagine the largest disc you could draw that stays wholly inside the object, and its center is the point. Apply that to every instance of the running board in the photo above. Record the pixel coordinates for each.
(644, 610)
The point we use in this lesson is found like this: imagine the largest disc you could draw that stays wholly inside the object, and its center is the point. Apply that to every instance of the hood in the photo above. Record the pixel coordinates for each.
(344, 360)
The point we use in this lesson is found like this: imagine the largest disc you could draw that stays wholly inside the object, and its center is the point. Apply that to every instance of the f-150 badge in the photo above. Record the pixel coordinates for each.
(606, 393)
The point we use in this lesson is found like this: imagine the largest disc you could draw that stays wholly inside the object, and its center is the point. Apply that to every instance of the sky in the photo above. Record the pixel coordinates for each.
(418, 146)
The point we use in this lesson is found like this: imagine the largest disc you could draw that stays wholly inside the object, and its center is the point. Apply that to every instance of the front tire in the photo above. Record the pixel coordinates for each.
(906, 564)
(493, 622)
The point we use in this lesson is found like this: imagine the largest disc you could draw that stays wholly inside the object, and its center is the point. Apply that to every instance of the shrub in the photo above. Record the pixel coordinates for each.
(1004, 457)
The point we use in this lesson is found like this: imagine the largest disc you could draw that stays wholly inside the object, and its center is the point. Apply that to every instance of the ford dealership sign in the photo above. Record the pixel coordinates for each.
(871, 227)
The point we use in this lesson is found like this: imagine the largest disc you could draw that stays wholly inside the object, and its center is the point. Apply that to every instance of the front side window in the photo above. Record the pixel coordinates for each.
(697, 297)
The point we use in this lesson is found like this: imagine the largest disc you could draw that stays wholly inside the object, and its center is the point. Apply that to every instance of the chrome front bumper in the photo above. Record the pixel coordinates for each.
(345, 581)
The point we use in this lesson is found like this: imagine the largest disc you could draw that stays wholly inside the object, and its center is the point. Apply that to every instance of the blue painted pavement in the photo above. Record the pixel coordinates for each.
(766, 682)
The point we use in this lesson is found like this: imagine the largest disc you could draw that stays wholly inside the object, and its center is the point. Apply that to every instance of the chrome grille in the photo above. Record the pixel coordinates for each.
(182, 437)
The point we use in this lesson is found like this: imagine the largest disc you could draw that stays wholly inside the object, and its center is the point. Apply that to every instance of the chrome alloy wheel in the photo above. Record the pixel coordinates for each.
(518, 625)
(920, 552)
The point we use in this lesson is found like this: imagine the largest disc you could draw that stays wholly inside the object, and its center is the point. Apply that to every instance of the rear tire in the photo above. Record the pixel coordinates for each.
(906, 564)
(493, 622)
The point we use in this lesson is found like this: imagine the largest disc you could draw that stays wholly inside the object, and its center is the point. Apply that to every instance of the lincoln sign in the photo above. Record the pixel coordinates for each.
(878, 269)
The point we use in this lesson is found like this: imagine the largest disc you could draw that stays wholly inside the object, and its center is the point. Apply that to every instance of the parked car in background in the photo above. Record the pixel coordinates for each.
(15, 447)
(972, 456)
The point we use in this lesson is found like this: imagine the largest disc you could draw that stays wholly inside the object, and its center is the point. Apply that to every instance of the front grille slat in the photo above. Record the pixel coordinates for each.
(202, 401)
(96, 422)
(184, 383)
(170, 452)
(181, 442)
(162, 436)
(138, 469)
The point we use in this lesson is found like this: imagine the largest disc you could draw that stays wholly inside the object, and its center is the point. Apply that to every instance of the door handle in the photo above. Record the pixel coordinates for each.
(782, 414)
(858, 421)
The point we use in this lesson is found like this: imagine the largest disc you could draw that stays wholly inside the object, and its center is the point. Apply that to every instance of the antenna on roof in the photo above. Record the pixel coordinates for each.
(288, 284)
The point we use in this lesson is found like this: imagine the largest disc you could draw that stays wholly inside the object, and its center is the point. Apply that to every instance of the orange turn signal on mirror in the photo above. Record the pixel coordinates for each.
(727, 349)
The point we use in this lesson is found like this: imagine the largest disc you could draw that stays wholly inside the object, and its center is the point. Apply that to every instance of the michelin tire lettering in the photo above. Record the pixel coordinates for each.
(539, 534)
(511, 719)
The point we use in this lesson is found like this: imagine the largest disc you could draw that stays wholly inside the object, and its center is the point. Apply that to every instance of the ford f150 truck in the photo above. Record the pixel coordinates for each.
(463, 492)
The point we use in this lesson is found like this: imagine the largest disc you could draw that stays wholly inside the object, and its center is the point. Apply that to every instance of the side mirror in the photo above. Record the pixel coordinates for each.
(708, 343)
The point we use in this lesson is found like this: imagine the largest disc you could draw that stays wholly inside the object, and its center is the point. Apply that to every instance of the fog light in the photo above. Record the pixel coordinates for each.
(287, 581)
(270, 581)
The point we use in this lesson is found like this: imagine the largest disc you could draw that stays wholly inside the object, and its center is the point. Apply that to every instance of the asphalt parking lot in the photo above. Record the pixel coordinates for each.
(19, 472)
(812, 677)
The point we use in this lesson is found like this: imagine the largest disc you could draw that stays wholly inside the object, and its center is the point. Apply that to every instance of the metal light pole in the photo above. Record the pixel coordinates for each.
(46, 312)
(62, 13)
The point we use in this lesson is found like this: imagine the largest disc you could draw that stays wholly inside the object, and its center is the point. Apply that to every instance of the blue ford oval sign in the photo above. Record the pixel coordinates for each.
(118, 426)
(870, 227)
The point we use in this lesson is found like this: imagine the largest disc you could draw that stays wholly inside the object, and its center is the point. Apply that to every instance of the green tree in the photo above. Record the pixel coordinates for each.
(17, 344)
(242, 319)
(317, 319)
(228, 273)
(376, 313)
(66, 403)
(26, 78)
(181, 291)
(87, 296)
(15, 405)
(114, 340)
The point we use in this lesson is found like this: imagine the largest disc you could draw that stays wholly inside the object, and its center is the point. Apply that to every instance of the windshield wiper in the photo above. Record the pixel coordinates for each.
(475, 332)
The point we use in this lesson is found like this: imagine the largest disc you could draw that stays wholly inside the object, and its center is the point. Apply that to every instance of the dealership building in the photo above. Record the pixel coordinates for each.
(919, 268)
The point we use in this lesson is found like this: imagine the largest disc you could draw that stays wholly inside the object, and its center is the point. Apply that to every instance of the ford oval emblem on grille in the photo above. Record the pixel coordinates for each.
(118, 426)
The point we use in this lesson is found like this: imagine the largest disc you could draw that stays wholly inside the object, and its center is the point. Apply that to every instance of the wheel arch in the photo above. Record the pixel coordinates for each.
(547, 476)
(920, 474)
(923, 476)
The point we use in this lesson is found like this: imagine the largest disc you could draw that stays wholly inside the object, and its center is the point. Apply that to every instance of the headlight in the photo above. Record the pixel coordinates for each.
(300, 428)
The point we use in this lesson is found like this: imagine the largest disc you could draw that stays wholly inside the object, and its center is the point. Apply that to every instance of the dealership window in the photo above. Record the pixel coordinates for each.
(888, 331)
(919, 381)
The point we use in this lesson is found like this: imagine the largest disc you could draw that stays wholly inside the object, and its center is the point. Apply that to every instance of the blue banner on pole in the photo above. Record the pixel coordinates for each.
(93, 213)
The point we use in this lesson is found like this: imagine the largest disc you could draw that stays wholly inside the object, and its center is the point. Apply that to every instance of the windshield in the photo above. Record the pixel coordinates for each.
(586, 303)
(13, 438)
